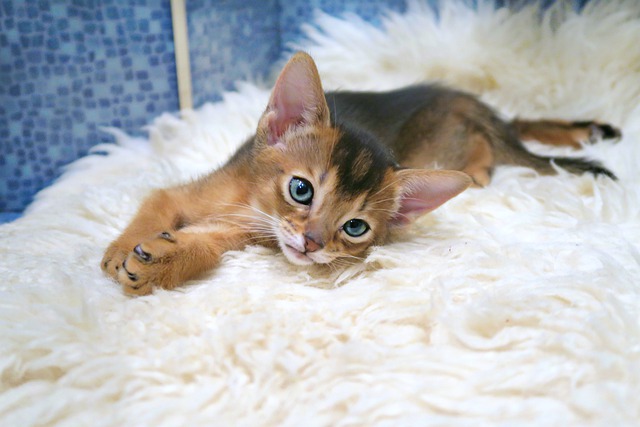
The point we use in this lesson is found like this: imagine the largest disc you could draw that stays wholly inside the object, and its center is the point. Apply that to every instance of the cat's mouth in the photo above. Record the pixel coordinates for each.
(293, 247)
(295, 256)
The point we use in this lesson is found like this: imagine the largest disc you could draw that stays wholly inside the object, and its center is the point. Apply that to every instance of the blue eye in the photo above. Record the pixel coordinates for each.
(355, 227)
(301, 190)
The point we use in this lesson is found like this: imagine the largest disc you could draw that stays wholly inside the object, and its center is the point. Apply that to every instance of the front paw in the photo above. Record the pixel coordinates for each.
(148, 264)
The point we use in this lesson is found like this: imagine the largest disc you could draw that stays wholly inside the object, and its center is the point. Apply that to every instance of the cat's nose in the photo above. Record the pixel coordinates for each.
(310, 244)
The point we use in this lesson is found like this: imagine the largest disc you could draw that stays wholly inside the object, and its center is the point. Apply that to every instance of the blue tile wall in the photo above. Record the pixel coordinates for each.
(236, 40)
(544, 4)
(230, 41)
(69, 67)
(298, 12)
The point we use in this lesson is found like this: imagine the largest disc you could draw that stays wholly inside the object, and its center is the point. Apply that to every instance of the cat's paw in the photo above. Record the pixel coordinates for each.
(600, 131)
(149, 264)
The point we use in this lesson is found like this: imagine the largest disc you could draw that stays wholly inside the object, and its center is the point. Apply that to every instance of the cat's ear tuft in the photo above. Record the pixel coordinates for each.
(297, 99)
(422, 191)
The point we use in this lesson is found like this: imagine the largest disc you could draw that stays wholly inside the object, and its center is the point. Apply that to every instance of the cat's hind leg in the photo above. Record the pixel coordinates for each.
(564, 133)
(480, 160)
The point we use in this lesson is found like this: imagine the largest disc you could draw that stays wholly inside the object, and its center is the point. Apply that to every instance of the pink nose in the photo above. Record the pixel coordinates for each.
(310, 245)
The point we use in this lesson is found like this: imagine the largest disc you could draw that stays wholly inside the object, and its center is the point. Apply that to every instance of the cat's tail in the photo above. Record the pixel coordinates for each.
(518, 155)
(515, 153)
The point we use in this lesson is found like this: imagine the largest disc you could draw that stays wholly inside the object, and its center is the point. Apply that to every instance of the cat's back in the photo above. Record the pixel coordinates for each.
(385, 113)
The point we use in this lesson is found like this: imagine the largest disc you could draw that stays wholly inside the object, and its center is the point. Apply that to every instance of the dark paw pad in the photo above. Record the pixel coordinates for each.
(609, 132)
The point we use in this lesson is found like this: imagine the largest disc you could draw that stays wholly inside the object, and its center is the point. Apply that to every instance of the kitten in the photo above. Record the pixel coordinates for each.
(326, 176)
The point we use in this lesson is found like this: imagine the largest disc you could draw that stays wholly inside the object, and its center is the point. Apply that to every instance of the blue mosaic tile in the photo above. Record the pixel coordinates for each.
(230, 41)
(238, 40)
(68, 68)
(544, 4)
(8, 217)
(297, 12)
(234, 40)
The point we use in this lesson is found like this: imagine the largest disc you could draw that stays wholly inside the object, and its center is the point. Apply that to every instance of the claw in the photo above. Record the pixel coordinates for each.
(166, 236)
(131, 276)
(144, 256)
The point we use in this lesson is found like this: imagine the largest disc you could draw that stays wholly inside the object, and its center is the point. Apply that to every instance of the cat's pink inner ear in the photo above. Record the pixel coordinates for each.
(287, 104)
(422, 191)
(297, 97)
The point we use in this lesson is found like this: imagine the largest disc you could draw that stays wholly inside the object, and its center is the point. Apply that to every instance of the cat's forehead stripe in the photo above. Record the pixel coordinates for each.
(360, 163)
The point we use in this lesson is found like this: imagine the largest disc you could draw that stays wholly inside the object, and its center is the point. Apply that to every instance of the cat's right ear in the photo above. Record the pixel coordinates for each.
(297, 100)
(421, 191)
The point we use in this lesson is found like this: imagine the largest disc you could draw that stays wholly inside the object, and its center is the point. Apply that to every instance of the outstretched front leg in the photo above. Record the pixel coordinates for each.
(172, 258)
(163, 210)
(174, 236)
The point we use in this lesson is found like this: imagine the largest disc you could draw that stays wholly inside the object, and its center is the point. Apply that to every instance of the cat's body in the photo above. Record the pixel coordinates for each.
(324, 177)
(430, 126)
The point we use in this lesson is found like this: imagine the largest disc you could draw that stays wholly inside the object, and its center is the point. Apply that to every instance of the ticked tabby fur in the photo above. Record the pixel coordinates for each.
(326, 176)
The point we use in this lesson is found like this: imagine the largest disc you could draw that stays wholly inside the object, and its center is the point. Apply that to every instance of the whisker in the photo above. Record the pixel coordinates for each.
(261, 220)
(394, 182)
(389, 211)
(345, 260)
(334, 267)
(249, 227)
(256, 220)
(390, 199)
(346, 257)
(259, 240)
(253, 208)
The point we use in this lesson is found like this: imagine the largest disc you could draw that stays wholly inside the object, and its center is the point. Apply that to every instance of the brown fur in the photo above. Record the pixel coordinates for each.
(563, 133)
(181, 232)
(429, 126)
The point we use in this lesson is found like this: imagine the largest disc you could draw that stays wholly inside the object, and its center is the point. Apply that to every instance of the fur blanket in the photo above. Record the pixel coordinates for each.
(516, 304)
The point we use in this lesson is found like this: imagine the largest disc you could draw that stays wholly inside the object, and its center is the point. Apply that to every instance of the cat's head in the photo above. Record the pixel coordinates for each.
(332, 192)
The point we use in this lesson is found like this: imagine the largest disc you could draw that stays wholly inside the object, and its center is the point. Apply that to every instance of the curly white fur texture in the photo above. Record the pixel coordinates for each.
(517, 304)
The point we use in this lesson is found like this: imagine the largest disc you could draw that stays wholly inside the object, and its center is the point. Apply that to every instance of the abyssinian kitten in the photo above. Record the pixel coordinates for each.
(326, 176)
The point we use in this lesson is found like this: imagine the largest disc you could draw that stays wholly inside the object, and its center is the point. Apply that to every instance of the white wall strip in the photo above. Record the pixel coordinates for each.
(181, 42)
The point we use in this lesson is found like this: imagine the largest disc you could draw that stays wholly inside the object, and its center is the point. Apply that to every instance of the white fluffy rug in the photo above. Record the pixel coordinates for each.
(517, 304)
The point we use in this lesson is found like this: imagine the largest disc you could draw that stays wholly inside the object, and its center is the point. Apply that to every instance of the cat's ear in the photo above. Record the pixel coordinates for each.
(421, 191)
(297, 99)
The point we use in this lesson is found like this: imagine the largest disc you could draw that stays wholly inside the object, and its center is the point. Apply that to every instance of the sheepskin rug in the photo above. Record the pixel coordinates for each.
(517, 304)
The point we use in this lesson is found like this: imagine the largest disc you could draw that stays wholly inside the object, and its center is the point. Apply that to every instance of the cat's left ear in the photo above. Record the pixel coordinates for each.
(422, 191)
(297, 99)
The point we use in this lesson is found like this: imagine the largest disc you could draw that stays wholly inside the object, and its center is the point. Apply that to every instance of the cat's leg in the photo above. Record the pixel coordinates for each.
(480, 160)
(171, 258)
(562, 133)
(163, 210)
